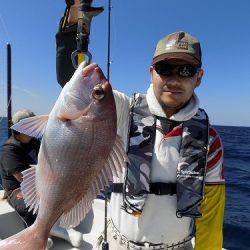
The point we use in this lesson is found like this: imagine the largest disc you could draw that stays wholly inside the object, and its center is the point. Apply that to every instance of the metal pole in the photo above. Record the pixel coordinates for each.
(105, 244)
(9, 104)
(108, 60)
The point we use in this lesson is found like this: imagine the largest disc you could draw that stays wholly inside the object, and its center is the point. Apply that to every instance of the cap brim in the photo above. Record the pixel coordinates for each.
(177, 57)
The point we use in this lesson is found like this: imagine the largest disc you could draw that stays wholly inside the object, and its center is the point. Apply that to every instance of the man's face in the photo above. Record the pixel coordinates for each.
(174, 91)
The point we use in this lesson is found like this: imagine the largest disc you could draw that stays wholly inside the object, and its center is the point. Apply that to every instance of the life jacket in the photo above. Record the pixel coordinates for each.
(191, 169)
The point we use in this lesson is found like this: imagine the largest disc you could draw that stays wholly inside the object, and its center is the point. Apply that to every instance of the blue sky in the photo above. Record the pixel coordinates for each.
(221, 26)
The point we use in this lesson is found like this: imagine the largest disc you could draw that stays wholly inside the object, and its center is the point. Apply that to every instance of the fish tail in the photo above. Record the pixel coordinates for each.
(32, 237)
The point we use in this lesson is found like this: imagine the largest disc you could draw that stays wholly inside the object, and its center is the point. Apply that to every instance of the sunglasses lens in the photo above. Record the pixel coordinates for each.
(163, 69)
(187, 71)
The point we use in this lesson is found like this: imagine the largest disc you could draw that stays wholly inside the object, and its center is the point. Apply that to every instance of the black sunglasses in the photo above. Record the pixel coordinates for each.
(166, 69)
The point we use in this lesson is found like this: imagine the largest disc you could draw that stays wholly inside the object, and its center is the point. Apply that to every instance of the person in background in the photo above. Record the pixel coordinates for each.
(174, 187)
(19, 152)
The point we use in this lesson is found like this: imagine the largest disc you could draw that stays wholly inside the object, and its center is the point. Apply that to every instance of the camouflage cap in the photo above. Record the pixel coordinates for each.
(21, 114)
(178, 46)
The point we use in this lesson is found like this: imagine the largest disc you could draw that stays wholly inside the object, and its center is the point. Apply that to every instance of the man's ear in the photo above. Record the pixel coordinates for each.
(200, 73)
(199, 77)
(151, 72)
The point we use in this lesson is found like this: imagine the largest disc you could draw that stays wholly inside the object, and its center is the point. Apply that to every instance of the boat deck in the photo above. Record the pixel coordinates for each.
(11, 223)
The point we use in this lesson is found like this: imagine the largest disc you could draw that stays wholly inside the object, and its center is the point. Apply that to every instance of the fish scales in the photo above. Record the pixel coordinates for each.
(70, 161)
(79, 153)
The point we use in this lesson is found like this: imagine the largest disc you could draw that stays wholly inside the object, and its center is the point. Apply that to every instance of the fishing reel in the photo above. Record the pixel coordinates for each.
(85, 14)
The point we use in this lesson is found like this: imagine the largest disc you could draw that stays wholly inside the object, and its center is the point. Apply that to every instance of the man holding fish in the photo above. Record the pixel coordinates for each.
(169, 184)
(174, 187)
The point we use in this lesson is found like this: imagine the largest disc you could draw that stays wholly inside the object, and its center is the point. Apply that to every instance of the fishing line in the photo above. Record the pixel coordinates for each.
(1, 117)
(15, 87)
(7, 108)
(8, 104)
(26, 91)
(114, 31)
(5, 28)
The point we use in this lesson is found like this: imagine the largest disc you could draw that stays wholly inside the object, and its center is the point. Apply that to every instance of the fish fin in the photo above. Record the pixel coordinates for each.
(28, 189)
(73, 217)
(33, 126)
(118, 158)
(116, 161)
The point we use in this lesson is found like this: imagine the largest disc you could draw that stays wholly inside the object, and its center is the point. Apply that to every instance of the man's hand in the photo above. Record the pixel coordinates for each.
(18, 176)
(73, 13)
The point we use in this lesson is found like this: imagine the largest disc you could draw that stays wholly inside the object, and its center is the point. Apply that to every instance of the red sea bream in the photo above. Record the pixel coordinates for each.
(80, 153)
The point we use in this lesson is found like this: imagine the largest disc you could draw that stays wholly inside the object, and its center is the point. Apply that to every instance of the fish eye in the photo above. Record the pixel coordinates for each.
(98, 92)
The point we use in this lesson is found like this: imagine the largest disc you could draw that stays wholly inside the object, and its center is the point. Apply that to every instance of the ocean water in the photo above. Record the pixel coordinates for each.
(236, 141)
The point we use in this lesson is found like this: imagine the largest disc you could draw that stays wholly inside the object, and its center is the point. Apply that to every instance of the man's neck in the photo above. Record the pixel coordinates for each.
(169, 112)
(172, 111)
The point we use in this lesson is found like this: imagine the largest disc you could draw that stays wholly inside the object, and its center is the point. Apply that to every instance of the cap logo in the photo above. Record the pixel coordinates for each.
(182, 45)
(181, 42)
(177, 41)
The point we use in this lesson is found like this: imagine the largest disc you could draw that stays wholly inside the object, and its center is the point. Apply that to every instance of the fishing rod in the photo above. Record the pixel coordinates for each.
(105, 244)
(85, 14)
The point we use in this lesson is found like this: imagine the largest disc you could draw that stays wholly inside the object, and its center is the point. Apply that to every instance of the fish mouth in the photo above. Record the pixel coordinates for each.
(93, 69)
